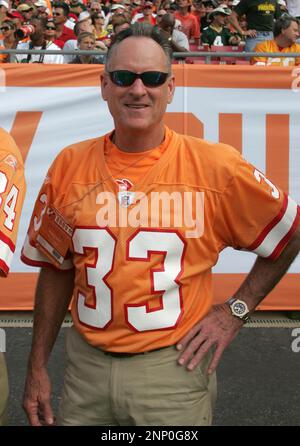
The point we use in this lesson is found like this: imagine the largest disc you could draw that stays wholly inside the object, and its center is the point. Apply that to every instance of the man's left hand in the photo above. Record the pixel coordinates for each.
(217, 329)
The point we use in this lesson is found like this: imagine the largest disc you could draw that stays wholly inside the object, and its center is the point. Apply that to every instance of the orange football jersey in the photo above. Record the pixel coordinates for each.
(12, 193)
(270, 46)
(143, 255)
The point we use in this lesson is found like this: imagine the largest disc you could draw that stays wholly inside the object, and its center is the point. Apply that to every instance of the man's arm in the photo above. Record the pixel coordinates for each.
(219, 327)
(233, 20)
(52, 298)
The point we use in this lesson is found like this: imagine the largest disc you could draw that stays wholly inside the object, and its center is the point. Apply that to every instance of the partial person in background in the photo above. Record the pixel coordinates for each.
(60, 16)
(217, 32)
(119, 23)
(8, 40)
(71, 45)
(260, 16)
(177, 39)
(13, 188)
(87, 42)
(4, 8)
(38, 42)
(286, 33)
(189, 22)
(50, 33)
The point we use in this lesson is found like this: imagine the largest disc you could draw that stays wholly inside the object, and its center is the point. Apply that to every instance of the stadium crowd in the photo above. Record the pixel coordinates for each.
(190, 25)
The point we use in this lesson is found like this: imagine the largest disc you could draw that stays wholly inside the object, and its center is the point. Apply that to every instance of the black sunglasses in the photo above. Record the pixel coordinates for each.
(5, 28)
(124, 78)
(50, 27)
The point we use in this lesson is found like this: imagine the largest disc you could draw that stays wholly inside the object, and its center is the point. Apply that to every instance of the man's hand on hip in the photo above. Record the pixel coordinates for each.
(217, 329)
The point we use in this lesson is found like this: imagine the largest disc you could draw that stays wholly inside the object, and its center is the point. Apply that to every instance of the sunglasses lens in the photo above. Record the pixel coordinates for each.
(154, 78)
(122, 78)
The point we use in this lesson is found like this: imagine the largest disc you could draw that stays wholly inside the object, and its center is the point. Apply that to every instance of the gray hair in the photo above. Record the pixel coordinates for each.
(284, 22)
(142, 30)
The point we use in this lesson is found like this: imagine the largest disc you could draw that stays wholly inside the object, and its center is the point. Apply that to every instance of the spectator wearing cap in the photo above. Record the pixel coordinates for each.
(38, 42)
(41, 9)
(60, 16)
(189, 22)
(8, 41)
(217, 33)
(27, 12)
(87, 42)
(116, 8)
(260, 16)
(177, 38)
(4, 7)
(148, 16)
(119, 23)
(16, 17)
(286, 32)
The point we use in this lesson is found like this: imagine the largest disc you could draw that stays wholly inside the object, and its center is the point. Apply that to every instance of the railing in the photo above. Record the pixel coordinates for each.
(208, 55)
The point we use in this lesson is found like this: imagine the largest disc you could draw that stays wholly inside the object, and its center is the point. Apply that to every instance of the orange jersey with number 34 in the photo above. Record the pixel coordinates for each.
(12, 193)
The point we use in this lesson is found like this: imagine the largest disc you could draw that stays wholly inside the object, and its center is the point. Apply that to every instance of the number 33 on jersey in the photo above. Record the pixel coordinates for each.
(141, 288)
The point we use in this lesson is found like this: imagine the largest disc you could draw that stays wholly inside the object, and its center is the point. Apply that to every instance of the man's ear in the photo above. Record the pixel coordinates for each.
(171, 88)
(104, 85)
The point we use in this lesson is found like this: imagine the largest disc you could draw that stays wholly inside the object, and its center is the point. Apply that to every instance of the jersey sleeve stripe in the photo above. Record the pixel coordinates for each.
(7, 241)
(4, 268)
(33, 257)
(270, 226)
(6, 255)
(278, 232)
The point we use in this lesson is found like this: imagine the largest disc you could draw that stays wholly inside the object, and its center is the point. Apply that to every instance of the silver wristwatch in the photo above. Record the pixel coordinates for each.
(239, 308)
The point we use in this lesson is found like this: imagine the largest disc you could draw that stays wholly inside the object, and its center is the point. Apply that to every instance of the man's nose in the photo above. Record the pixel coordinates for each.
(138, 87)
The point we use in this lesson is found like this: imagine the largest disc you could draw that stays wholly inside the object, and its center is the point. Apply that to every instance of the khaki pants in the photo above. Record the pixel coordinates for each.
(146, 389)
(3, 389)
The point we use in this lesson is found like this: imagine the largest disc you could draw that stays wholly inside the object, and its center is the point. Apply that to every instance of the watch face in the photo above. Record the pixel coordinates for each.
(239, 308)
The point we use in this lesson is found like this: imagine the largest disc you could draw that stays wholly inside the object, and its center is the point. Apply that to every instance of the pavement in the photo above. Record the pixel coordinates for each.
(258, 377)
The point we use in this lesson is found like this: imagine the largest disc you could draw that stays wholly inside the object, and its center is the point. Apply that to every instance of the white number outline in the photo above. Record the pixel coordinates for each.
(14, 191)
(80, 297)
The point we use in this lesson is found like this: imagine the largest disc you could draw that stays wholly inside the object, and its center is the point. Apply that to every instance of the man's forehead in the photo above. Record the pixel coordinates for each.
(144, 45)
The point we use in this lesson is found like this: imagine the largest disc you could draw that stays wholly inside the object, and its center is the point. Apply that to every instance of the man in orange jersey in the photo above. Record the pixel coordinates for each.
(12, 192)
(133, 222)
(286, 32)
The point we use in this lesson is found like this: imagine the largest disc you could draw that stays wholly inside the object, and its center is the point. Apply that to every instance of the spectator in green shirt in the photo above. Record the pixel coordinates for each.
(217, 33)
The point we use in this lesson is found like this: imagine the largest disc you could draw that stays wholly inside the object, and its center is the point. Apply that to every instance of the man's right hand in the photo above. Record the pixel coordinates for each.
(37, 396)
(250, 33)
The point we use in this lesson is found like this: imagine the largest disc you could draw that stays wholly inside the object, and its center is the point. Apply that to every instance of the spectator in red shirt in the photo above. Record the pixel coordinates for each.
(190, 25)
(147, 10)
(60, 15)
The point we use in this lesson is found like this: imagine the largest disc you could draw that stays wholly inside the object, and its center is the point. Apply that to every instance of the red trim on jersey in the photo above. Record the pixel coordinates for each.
(4, 267)
(104, 278)
(7, 241)
(41, 264)
(159, 292)
(270, 226)
(286, 238)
